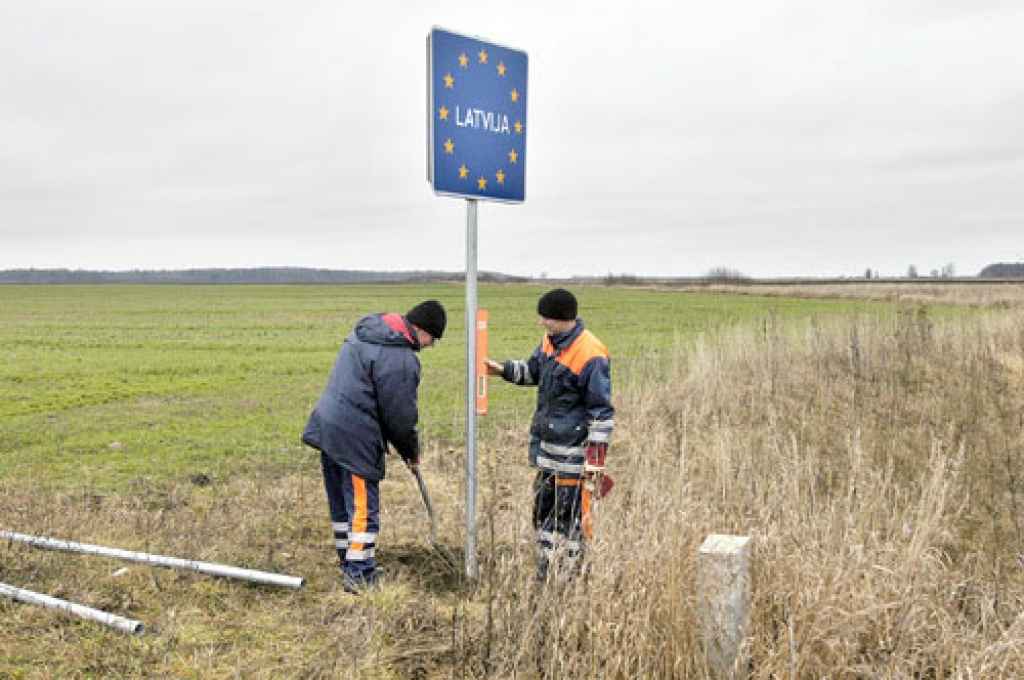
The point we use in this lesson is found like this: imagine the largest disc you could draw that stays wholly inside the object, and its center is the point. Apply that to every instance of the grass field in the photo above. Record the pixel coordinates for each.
(202, 379)
(873, 448)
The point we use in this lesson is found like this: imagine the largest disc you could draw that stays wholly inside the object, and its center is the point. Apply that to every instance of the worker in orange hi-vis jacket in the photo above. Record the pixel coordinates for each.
(570, 431)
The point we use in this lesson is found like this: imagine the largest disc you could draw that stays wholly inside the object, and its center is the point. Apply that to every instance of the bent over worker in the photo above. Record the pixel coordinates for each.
(370, 401)
(570, 430)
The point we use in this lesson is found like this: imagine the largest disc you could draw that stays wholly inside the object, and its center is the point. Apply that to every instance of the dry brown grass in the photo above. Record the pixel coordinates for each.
(994, 293)
(878, 468)
(877, 463)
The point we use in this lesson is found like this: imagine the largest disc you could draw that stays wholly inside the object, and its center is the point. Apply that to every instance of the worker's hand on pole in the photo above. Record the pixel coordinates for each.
(493, 367)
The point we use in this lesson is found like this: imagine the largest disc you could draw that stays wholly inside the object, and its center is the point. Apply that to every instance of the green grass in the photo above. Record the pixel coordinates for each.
(103, 384)
(812, 425)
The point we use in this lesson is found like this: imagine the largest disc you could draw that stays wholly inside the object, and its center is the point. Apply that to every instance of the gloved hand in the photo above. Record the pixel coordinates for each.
(593, 470)
(596, 453)
(604, 487)
(599, 484)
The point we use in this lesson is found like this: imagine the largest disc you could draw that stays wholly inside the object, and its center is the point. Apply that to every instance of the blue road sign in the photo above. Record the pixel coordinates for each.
(477, 131)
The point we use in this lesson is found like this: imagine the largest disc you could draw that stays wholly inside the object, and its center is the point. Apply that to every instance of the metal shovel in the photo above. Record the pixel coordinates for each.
(441, 552)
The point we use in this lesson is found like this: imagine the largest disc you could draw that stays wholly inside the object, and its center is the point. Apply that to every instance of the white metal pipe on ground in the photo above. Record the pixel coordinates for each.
(106, 618)
(226, 571)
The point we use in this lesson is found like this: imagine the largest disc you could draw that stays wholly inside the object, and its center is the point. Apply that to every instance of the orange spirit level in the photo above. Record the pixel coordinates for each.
(481, 356)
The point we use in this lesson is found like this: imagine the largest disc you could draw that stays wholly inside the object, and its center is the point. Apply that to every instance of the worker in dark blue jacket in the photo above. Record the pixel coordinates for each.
(570, 431)
(370, 402)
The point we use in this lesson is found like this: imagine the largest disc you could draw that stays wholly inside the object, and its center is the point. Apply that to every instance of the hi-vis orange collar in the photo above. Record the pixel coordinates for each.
(575, 356)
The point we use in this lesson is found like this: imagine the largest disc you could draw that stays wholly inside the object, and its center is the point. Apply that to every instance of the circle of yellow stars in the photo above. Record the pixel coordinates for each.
(443, 112)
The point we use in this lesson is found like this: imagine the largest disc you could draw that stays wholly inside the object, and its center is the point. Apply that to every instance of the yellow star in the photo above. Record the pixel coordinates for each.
(501, 68)
(449, 81)
(463, 171)
(513, 156)
(519, 127)
(443, 113)
(449, 146)
(463, 60)
(483, 56)
(501, 177)
(481, 184)
(514, 95)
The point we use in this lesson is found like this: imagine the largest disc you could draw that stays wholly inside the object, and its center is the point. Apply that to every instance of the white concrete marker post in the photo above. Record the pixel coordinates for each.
(723, 602)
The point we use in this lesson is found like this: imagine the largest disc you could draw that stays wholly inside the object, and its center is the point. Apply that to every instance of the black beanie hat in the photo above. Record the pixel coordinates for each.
(558, 304)
(430, 317)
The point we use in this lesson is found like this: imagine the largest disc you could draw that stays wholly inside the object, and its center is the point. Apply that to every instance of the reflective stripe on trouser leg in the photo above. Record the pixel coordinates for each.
(340, 537)
(333, 483)
(557, 518)
(362, 500)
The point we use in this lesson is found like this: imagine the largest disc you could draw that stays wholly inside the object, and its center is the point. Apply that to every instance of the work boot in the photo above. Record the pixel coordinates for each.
(356, 584)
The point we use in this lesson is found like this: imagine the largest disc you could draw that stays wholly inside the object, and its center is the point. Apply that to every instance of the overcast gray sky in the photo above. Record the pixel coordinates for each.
(773, 137)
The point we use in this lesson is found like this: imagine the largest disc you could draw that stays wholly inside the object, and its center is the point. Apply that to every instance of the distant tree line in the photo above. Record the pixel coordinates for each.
(725, 275)
(948, 271)
(285, 275)
(1003, 270)
(236, 276)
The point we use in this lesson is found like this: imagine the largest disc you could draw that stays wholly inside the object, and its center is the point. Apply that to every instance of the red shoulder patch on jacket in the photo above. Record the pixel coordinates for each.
(396, 323)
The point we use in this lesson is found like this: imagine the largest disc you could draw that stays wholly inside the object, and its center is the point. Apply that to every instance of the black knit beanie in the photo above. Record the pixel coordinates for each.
(430, 317)
(558, 304)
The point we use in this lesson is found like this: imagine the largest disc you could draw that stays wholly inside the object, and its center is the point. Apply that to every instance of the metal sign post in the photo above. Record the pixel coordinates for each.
(472, 567)
(476, 149)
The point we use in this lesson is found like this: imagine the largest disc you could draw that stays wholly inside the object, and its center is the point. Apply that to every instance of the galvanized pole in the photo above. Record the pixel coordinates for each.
(223, 570)
(471, 302)
(107, 619)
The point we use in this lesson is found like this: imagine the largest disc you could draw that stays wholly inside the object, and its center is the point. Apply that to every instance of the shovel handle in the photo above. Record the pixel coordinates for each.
(415, 469)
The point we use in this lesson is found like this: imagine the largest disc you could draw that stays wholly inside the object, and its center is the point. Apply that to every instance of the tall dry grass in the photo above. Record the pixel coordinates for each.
(877, 462)
(990, 293)
(878, 467)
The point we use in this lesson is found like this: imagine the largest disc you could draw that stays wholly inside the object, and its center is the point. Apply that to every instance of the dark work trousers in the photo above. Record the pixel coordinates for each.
(561, 517)
(355, 511)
